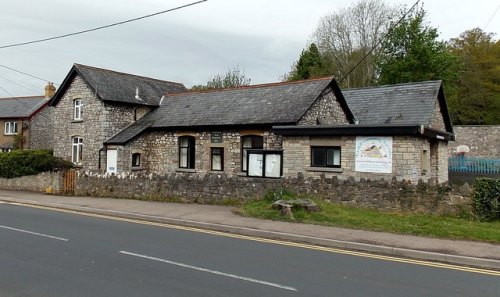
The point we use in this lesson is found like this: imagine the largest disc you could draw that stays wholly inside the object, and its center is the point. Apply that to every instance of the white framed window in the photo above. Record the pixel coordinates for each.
(78, 109)
(77, 150)
(10, 128)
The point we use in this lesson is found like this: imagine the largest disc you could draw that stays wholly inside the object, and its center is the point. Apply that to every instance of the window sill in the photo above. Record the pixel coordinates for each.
(241, 174)
(77, 121)
(137, 168)
(325, 169)
(185, 170)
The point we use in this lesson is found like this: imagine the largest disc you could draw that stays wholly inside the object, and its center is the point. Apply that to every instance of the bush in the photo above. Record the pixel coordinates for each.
(30, 162)
(487, 198)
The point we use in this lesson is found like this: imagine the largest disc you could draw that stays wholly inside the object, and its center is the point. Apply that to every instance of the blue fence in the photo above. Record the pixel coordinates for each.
(473, 165)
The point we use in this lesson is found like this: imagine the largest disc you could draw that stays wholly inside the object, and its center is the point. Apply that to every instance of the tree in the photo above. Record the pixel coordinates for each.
(230, 79)
(345, 37)
(477, 96)
(311, 64)
(411, 53)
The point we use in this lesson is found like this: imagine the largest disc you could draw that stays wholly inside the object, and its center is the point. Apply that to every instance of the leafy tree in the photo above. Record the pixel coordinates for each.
(477, 96)
(411, 53)
(311, 64)
(230, 79)
(345, 37)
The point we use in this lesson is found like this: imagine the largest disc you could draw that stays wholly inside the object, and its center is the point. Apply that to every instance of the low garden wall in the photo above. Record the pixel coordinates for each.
(42, 182)
(218, 188)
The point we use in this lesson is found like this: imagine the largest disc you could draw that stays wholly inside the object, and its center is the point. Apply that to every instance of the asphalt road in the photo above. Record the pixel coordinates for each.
(51, 253)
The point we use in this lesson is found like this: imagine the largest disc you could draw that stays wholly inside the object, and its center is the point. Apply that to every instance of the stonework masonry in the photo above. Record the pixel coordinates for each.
(408, 154)
(325, 111)
(437, 121)
(42, 129)
(100, 121)
(160, 150)
(483, 141)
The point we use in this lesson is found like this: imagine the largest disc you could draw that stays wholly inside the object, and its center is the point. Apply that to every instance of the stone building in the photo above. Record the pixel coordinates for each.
(26, 122)
(117, 123)
(307, 128)
(401, 131)
(93, 104)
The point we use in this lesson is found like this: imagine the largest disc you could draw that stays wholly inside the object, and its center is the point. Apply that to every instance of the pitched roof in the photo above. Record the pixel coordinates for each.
(269, 104)
(400, 104)
(119, 87)
(20, 107)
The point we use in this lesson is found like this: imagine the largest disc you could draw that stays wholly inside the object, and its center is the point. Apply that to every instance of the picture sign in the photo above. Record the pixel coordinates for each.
(373, 154)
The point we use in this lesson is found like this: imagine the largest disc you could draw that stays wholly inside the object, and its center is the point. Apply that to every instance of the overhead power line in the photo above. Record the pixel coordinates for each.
(101, 27)
(21, 85)
(379, 42)
(27, 74)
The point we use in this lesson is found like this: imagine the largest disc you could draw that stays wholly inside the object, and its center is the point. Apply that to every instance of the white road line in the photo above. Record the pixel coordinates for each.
(34, 233)
(248, 279)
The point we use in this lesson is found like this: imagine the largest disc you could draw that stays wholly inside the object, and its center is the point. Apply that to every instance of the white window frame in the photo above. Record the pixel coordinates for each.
(77, 109)
(76, 149)
(10, 128)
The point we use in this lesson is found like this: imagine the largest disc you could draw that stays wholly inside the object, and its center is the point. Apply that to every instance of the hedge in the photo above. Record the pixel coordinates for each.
(487, 198)
(30, 162)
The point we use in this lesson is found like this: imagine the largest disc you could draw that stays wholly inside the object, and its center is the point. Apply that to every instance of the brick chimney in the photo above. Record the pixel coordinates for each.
(50, 90)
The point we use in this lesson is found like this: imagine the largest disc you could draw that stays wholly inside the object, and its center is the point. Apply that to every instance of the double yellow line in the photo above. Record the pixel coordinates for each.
(274, 241)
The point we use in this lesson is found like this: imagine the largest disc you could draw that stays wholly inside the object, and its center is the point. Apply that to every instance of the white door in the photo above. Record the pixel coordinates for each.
(111, 160)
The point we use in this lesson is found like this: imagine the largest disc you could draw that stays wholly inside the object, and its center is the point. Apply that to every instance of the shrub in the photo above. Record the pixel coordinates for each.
(487, 198)
(29, 162)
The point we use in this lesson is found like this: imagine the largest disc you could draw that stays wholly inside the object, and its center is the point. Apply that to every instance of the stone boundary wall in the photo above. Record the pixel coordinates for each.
(34, 183)
(217, 188)
(483, 141)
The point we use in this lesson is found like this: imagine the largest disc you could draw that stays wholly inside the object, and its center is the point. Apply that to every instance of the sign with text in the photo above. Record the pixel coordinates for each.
(373, 154)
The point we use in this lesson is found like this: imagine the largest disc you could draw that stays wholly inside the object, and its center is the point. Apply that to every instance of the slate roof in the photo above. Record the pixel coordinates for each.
(270, 104)
(20, 107)
(400, 104)
(113, 86)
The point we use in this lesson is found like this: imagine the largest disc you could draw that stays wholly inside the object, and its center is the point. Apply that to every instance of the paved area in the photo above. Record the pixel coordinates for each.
(224, 218)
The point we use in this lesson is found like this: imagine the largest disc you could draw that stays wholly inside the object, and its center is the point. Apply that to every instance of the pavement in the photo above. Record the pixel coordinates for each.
(226, 219)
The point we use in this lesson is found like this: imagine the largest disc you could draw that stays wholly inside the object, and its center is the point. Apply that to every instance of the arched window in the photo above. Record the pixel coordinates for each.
(186, 152)
(77, 150)
(249, 142)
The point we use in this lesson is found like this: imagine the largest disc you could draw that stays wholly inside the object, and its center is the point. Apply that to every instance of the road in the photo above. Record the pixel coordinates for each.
(51, 253)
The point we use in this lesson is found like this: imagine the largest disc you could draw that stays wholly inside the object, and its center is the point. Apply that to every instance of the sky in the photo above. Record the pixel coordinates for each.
(261, 37)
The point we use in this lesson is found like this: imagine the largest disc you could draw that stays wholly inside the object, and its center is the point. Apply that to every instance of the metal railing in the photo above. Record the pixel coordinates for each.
(473, 165)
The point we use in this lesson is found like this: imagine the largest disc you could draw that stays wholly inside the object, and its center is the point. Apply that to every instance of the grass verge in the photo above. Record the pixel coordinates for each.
(337, 215)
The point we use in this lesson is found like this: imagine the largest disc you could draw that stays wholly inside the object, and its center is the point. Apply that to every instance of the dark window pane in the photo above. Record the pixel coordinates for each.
(318, 157)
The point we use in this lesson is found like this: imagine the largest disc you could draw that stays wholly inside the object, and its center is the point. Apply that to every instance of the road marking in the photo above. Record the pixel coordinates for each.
(33, 233)
(275, 241)
(248, 279)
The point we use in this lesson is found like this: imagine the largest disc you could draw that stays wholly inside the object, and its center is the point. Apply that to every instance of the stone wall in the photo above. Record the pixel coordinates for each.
(160, 150)
(325, 111)
(215, 188)
(408, 159)
(99, 122)
(483, 141)
(34, 183)
(437, 120)
(42, 129)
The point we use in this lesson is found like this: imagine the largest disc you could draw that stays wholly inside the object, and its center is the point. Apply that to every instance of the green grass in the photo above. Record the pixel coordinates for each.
(333, 214)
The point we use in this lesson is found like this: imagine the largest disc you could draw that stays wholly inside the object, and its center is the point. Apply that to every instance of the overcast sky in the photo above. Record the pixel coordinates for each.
(261, 37)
